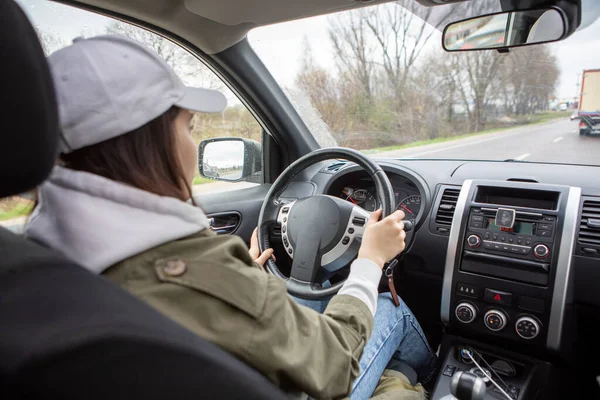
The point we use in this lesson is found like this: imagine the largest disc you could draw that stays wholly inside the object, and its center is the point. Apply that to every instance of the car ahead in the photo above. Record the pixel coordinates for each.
(501, 264)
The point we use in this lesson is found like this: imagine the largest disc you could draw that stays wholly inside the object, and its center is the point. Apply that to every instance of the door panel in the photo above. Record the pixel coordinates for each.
(244, 202)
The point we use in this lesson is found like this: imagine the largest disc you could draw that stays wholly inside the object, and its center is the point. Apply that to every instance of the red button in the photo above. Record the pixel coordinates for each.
(498, 297)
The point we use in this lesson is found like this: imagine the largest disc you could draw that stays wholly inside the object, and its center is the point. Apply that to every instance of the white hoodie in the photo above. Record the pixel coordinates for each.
(98, 222)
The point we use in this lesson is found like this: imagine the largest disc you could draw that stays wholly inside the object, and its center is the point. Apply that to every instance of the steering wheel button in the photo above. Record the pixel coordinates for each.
(290, 251)
(285, 210)
(358, 221)
(283, 229)
(284, 219)
(351, 230)
(345, 240)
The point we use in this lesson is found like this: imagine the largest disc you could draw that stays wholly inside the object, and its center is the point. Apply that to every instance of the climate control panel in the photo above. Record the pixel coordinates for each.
(526, 326)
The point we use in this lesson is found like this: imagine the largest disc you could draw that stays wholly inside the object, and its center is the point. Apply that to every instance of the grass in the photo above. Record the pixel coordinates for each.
(15, 207)
(534, 119)
(199, 180)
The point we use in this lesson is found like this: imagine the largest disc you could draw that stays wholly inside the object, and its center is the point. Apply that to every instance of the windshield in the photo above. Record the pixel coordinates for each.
(377, 80)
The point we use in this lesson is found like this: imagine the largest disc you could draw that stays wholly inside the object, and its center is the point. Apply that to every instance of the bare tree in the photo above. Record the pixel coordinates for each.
(353, 51)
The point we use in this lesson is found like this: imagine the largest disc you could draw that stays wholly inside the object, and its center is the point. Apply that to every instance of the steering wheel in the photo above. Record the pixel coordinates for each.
(321, 231)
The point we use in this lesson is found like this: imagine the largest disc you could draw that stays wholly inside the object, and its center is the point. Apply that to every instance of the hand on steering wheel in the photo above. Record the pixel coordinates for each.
(323, 233)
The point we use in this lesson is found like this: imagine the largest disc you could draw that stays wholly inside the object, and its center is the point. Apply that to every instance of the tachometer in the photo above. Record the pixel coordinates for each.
(361, 197)
(411, 206)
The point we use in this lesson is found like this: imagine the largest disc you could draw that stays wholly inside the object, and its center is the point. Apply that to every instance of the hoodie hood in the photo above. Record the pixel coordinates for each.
(98, 222)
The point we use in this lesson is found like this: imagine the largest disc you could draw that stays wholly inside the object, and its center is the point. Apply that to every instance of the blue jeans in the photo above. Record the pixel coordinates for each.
(396, 336)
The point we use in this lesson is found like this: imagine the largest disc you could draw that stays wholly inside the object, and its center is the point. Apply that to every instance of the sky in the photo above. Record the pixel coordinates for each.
(280, 46)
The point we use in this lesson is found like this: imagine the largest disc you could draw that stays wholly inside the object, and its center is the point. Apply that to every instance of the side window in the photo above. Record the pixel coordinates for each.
(228, 165)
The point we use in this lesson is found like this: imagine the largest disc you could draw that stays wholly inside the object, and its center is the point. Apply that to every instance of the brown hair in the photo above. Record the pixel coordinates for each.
(145, 158)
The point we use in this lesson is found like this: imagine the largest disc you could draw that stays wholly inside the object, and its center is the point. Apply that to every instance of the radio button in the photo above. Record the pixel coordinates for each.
(520, 239)
(544, 233)
(541, 251)
(503, 238)
(511, 240)
(476, 225)
(494, 237)
(488, 245)
(473, 241)
(524, 250)
(515, 249)
(528, 242)
(477, 218)
(497, 246)
(545, 227)
(548, 218)
(505, 247)
(487, 235)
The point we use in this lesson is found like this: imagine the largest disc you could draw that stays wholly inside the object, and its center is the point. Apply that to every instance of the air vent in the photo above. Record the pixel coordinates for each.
(334, 167)
(589, 228)
(447, 206)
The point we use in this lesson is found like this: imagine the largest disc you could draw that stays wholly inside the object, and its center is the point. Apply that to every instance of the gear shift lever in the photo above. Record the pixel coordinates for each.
(466, 386)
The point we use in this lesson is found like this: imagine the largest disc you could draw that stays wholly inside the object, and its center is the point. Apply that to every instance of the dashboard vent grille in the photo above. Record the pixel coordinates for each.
(589, 228)
(447, 206)
(334, 167)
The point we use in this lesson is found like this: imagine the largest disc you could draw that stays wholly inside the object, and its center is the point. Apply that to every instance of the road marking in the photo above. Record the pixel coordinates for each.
(473, 141)
(523, 156)
(558, 139)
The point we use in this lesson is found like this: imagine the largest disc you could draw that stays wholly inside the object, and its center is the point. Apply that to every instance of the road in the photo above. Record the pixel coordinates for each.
(555, 141)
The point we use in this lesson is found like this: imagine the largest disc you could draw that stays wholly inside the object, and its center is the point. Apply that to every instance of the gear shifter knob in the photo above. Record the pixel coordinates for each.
(467, 386)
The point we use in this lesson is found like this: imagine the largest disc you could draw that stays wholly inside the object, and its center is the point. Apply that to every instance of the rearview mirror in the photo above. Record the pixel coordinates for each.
(506, 29)
(230, 159)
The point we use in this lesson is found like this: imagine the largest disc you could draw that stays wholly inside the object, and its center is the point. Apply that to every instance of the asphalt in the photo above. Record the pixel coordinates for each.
(554, 141)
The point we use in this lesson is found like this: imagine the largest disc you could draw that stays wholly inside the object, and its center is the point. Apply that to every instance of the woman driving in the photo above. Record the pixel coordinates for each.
(120, 204)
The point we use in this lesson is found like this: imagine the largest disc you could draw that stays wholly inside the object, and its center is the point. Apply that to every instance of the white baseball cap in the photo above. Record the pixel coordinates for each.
(110, 85)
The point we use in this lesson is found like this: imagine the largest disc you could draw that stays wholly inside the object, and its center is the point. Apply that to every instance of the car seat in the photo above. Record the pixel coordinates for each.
(64, 332)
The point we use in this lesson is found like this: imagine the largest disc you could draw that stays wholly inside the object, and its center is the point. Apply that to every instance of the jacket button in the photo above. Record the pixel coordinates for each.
(175, 267)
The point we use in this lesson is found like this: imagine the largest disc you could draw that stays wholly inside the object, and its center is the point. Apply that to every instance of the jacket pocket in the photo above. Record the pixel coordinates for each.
(241, 288)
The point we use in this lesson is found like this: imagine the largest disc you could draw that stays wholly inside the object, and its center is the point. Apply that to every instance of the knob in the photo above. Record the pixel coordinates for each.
(465, 313)
(473, 241)
(494, 320)
(541, 251)
(527, 328)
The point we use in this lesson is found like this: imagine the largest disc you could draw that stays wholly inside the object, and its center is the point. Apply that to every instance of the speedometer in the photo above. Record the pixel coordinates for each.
(411, 206)
(361, 197)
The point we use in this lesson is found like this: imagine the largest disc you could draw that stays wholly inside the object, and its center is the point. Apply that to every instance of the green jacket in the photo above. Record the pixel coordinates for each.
(210, 285)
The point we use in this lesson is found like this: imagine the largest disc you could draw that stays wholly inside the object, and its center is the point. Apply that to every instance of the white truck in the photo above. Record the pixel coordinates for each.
(589, 103)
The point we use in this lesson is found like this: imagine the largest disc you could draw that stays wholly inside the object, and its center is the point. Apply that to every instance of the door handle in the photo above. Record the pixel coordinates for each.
(225, 223)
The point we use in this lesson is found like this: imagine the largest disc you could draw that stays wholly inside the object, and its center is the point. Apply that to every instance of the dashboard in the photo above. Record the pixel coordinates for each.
(449, 252)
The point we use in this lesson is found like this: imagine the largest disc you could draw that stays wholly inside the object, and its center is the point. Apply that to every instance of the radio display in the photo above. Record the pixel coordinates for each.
(525, 228)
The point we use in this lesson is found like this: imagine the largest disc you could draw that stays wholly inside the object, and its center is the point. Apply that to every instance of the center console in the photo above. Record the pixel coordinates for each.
(507, 278)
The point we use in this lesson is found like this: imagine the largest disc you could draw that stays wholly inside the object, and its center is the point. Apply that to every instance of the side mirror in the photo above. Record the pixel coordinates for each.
(506, 29)
(230, 159)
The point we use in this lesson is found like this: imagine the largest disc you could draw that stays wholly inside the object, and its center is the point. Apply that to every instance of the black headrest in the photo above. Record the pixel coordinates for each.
(29, 135)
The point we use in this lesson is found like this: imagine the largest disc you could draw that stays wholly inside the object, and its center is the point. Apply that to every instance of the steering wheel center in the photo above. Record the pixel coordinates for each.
(320, 216)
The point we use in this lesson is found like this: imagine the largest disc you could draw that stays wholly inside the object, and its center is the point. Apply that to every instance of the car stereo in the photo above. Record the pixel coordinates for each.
(507, 272)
